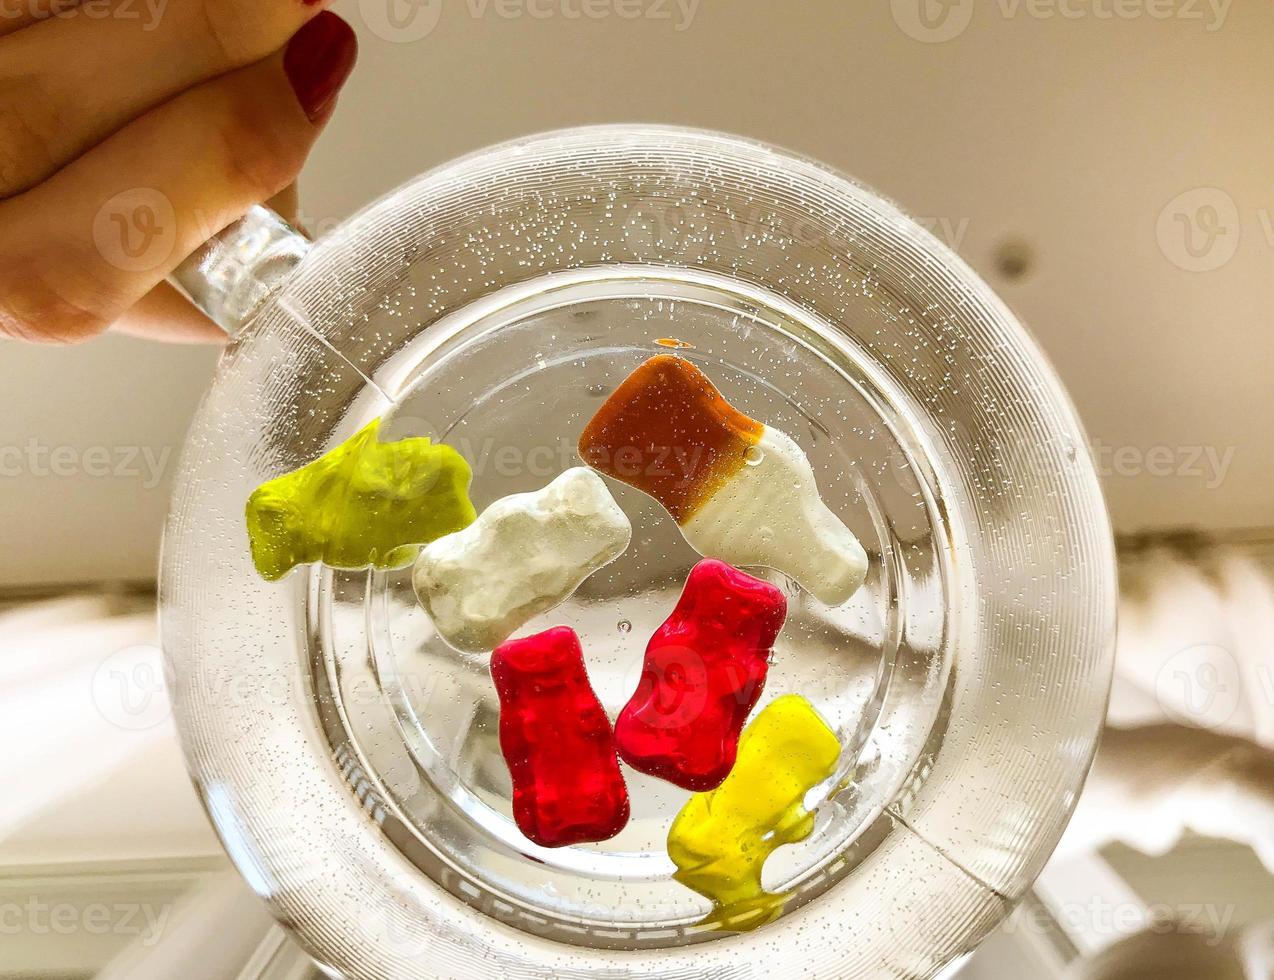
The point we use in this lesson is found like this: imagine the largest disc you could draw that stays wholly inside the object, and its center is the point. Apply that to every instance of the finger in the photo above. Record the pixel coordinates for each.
(287, 205)
(166, 315)
(1150, 785)
(72, 81)
(87, 244)
(17, 14)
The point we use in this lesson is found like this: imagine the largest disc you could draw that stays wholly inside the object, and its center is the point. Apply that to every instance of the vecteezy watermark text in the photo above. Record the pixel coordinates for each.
(680, 14)
(935, 21)
(129, 691)
(34, 917)
(1211, 14)
(146, 12)
(1102, 917)
(676, 225)
(403, 21)
(1207, 463)
(35, 458)
(136, 230)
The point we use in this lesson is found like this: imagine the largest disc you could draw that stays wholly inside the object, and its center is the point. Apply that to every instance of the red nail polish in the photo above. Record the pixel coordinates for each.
(318, 59)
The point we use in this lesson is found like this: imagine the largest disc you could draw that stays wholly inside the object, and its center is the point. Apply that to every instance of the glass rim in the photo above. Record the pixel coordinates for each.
(453, 925)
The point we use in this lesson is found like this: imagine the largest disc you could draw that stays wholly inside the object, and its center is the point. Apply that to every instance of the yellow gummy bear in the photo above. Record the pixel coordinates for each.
(721, 839)
(364, 503)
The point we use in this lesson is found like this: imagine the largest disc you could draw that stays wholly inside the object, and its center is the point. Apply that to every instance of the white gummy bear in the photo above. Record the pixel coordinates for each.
(770, 513)
(524, 555)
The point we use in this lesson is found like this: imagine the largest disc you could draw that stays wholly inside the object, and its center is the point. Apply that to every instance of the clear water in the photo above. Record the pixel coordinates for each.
(510, 383)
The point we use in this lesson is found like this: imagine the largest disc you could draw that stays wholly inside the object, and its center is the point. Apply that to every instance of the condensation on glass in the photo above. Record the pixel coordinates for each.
(349, 758)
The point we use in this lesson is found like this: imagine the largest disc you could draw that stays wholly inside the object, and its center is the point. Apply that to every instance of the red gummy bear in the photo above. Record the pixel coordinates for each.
(705, 668)
(557, 742)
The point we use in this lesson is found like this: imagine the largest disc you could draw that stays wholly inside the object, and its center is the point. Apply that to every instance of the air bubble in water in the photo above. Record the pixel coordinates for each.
(625, 626)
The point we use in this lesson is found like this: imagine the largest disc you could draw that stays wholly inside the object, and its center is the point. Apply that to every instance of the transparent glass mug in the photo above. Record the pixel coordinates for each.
(350, 759)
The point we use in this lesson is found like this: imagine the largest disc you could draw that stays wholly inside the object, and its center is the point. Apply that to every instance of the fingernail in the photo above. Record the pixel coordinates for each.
(319, 58)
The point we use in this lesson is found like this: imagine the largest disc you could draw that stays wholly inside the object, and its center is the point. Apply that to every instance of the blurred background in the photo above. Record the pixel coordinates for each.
(1103, 164)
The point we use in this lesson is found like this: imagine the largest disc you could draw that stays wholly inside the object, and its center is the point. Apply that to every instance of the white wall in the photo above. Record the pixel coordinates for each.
(1072, 135)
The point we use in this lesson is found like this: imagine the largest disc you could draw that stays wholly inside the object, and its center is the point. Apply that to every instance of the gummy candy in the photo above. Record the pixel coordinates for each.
(557, 741)
(363, 503)
(739, 490)
(705, 668)
(667, 431)
(720, 840)
(526, 554)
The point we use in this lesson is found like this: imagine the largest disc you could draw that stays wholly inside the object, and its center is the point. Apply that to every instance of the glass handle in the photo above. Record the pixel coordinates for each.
(231, 275)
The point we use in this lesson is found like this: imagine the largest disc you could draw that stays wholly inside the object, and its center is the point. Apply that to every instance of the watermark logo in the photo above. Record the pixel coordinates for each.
(34, 458)
(401, 21)
(935, 21)
(679, 14)
(148, 13)
(669, 687)
(128, 688)
(1211, 13)
(932, 21)
(1200, 686)
(950, 231)
(675, 228)
(1200, 230)
(136, 230)
(390, 932)
(1100, 917)
(1208, 464)
(129, 691)
(143, 922)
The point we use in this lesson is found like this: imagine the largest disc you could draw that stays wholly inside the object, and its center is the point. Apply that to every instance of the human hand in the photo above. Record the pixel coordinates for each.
(132, 133)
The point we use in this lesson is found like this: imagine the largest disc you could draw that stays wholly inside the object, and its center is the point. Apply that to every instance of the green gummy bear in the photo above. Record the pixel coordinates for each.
(365, 503)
